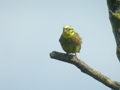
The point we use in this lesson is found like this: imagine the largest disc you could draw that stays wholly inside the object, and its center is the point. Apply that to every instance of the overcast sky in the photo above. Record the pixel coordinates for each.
(30, 30)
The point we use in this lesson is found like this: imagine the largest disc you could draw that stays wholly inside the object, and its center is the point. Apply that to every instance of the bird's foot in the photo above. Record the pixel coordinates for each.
(71, 54)
(67, 53)
(75, 54)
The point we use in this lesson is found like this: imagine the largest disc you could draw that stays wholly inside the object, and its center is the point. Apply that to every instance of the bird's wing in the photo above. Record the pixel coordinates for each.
(77, 40)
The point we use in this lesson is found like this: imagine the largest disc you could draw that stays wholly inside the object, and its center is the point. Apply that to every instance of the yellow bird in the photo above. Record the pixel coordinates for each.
(70, 40)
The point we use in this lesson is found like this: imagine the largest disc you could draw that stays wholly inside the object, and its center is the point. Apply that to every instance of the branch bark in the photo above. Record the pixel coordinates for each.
(114, 16)
(72, 59)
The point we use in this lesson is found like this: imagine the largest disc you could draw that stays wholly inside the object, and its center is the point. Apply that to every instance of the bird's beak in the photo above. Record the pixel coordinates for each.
(64, 30)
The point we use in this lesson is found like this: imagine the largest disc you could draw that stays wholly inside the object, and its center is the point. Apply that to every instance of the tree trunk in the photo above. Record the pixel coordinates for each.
(114, 15)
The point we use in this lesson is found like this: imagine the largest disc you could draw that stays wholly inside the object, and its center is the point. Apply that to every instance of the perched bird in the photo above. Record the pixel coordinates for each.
(70, 40)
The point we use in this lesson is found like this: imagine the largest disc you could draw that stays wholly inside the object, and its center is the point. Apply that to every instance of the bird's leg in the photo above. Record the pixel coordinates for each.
(67, 53)
(75, 54)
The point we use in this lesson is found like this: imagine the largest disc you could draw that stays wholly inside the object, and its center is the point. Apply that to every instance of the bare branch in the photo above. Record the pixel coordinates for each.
(85, 69)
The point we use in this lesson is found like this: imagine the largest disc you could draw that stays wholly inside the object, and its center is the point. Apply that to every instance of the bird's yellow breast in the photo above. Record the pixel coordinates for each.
(68, 34)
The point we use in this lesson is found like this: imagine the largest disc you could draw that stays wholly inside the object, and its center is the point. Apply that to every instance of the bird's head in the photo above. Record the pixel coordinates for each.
(68, 31)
